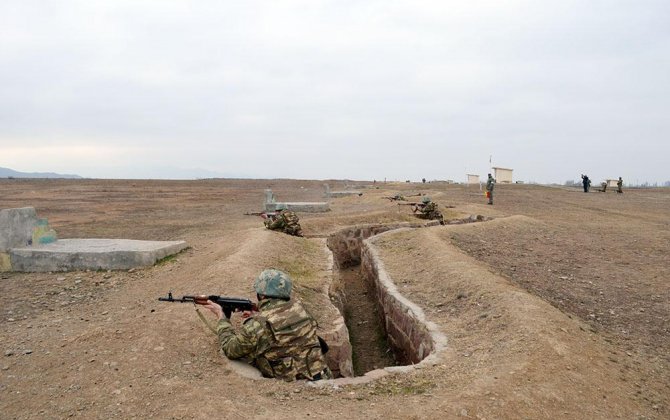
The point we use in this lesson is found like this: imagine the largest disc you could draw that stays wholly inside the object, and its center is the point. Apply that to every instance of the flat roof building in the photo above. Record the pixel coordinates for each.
(502, 175)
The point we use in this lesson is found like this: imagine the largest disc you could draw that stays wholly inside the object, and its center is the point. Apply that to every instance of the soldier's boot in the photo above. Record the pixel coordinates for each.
(295, 231)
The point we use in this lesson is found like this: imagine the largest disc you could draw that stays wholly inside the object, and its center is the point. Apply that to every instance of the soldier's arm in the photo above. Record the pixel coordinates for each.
(275, 223)
(236, 345)
(291, 218)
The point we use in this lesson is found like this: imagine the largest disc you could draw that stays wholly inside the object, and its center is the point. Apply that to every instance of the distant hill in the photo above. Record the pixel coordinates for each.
(10, 173)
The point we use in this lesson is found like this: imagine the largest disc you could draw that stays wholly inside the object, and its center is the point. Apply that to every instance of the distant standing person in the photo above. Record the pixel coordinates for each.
(619, 185)
(490, 185)
(586, 182)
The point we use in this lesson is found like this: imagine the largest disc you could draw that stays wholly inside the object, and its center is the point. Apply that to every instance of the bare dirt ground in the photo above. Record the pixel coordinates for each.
(558, 308)
(371, 349)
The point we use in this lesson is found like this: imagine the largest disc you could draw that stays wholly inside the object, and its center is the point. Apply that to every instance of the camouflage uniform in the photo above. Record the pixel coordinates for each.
(285, 221)
(280, 341)
(619, 185)
(429, 211)
(490, 185)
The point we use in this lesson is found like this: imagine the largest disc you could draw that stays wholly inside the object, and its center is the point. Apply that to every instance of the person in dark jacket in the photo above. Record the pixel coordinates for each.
(586, 182)
(490, 185)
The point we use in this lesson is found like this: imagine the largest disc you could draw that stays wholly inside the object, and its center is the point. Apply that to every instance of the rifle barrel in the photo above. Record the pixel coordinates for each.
(232, 304)
(171, 298)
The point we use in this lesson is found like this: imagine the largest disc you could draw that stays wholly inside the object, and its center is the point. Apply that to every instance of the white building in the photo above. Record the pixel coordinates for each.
(502, 175)
(472, 179)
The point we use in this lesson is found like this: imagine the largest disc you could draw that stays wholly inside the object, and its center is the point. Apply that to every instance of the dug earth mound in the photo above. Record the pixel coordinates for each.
(504, 304)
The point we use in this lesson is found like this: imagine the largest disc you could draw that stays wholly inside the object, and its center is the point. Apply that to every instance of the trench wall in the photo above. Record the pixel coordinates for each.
(346, 244)
(410, 335)
(345, 248)
(339, 356)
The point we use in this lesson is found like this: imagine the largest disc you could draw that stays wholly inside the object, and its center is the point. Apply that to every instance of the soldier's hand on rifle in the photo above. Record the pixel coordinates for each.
(216, 309)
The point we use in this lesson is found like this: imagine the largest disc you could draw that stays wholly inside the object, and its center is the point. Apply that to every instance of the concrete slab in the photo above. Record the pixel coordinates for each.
(91, 254)
(343, 193)
(16, 227)
(21, 227)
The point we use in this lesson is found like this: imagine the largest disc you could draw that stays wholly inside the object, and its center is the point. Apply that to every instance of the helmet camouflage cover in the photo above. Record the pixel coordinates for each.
(281, 206)
(425, 199)
(273, 283)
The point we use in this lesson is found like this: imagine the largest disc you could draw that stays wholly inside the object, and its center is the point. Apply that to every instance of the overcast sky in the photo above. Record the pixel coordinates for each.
(336, 89)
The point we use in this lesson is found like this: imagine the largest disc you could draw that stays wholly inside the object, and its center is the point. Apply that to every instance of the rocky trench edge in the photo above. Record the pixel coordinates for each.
(415, 340)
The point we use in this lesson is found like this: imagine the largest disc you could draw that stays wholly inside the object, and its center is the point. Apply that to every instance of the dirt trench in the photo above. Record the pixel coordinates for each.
(385, 330)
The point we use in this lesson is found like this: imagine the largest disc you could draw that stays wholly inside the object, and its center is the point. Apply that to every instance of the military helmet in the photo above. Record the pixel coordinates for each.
(273, 283)
(281, 206)
(425, 199)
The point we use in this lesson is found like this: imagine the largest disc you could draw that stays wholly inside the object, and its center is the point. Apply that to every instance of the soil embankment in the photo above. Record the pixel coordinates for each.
(521, 338)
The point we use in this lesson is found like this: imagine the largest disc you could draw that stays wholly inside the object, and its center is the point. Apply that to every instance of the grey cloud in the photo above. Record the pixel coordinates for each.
(345, 89)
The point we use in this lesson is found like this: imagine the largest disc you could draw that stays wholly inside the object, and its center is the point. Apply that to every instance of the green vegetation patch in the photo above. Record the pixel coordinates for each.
(303, 264)
(170, 259)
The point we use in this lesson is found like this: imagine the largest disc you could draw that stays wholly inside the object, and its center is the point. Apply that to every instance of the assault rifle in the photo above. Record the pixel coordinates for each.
(399, 197)
(423, 205)
(228, 304)
(261, 213)
(415, 206)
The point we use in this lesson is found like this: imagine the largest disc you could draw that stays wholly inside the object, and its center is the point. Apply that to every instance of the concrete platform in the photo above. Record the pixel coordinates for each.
(342, 193)
(91, 254)
(18, 227)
